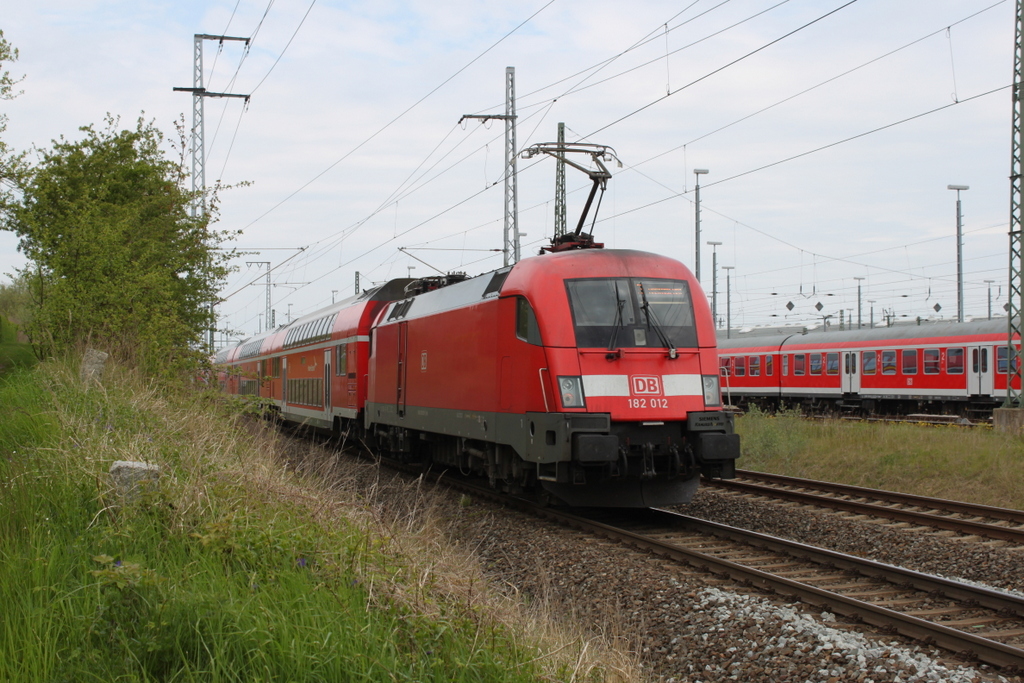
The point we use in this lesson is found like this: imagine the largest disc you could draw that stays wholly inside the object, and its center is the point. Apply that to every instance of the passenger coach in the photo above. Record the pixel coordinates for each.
(935, 367)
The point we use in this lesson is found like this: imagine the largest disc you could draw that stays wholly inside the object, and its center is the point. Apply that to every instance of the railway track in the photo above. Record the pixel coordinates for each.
(930, 513)
(976, 622)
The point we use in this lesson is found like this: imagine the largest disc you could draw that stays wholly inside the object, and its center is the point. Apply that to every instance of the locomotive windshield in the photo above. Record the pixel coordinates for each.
(632, 313)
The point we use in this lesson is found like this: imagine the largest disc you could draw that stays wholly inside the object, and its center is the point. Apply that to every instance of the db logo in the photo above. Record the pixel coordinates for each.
(644, 385)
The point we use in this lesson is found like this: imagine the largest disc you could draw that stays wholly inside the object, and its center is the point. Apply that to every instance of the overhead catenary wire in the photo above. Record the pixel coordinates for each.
(731, 177)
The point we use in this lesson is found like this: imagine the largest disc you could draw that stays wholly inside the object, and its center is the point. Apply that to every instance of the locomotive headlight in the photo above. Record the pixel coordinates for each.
(571, 391)
(712, 391)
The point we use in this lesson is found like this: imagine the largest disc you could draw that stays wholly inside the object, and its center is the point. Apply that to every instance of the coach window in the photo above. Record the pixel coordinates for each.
(754, 365)
(1001, 361)
(275, 367)
(739, 364)
(724, 363)
(909, 361)
(768, 366)
(815, 363)
(832, 363)
(955, 361)
(930, 361)
(868, 362)
(785, 364)
(341, 364)
(888, 362)
(526, 322)
(799, 363)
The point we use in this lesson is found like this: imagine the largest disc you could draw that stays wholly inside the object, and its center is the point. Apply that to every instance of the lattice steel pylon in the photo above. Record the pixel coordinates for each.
(511, 175)
(510, 247)
(560, 226)
(199, 93)
(1016, 287)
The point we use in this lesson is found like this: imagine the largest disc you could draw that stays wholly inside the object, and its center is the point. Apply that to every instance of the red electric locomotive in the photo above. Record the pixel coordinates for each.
(953, 368)
(589, 374)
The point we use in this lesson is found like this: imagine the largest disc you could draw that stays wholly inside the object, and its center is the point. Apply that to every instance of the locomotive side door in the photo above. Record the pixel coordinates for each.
(979, 371)
(851, 373)
(403, 362)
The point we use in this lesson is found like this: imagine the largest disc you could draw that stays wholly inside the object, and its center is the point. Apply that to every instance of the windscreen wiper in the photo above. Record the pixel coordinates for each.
(620, 302)
(653, 320)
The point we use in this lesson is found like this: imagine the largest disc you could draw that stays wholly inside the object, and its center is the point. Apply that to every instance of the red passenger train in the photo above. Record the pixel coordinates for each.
(949, 368)
(588, 374)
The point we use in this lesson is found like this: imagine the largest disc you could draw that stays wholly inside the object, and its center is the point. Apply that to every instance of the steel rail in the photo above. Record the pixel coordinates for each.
(989, 651)
(994, 531)
(970, 645)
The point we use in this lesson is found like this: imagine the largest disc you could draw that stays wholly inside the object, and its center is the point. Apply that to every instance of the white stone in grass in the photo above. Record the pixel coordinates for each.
(92, 366)
(131, 478)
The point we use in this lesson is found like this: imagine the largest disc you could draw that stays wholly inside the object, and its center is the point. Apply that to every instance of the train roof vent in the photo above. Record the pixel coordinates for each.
(400, 310)
(310, 332)
(497, 280)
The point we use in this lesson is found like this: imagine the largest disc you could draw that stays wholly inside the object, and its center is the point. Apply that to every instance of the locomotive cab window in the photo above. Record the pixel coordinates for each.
(631, 313)
(526, 322)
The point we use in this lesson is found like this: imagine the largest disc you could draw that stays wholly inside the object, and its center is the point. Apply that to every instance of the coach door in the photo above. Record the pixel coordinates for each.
(284, 382)
(851, 373)
(979, 371)
(327, 382)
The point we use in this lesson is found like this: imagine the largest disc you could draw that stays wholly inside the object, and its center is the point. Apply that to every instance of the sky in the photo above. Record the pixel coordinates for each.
(830, 131)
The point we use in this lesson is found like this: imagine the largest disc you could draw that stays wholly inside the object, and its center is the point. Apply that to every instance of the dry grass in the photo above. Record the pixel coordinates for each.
(405, 523)
(975, 465)
(414, 520)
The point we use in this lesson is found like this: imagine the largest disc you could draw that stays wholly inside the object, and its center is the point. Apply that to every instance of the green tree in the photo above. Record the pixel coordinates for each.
(115, 258)
(10, 165)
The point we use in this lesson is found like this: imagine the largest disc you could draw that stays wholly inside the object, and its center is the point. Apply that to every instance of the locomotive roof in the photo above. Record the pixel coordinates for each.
(867, 335)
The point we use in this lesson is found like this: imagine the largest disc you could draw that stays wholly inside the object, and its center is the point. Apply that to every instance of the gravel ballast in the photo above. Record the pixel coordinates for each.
(691, 626)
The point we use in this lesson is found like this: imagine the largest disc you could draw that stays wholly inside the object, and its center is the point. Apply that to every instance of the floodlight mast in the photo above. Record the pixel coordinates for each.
(600, 177)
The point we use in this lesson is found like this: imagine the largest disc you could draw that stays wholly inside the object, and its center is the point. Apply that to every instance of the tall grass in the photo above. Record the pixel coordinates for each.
(13, 354)
(230, 569)
(976, 465)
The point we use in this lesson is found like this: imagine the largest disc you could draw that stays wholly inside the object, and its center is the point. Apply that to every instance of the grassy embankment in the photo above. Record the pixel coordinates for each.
(976, 465)
(13, 354)
(233, 568)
